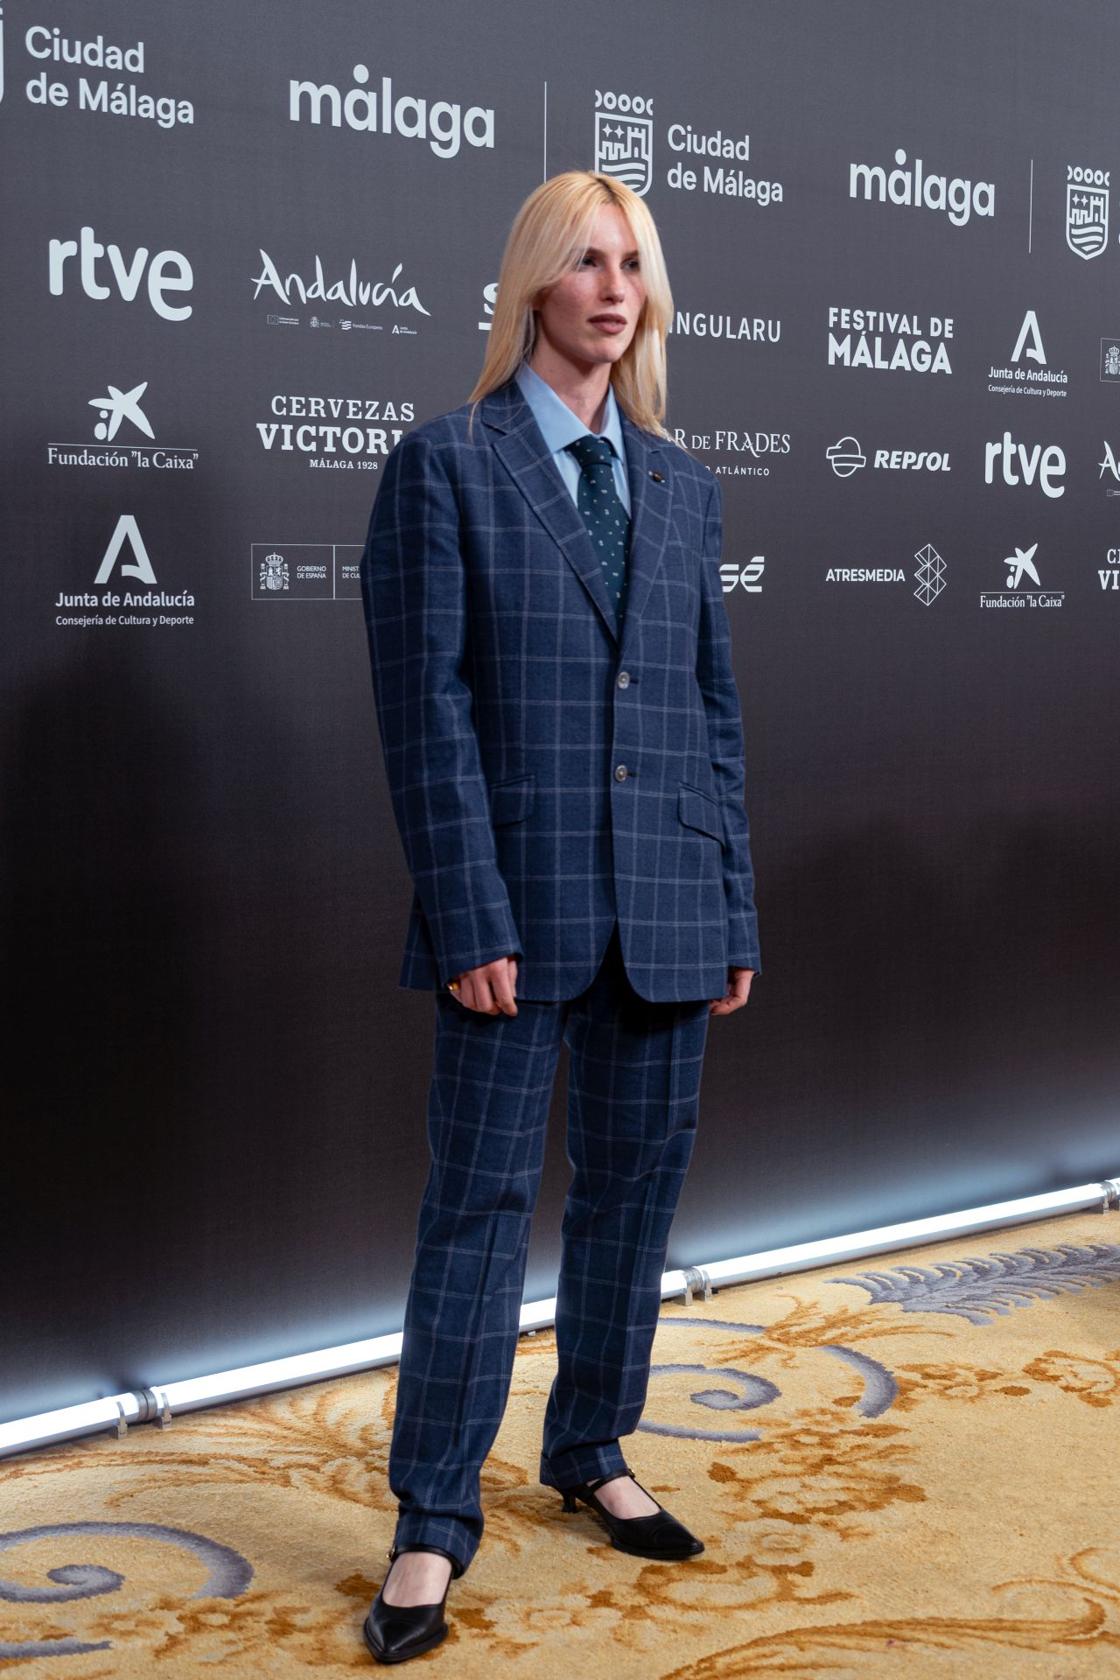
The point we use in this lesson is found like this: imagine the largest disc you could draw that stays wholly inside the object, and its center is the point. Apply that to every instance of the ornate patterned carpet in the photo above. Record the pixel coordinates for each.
(901, 1469)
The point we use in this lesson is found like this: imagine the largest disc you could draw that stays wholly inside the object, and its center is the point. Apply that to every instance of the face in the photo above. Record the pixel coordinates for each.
(590, 315)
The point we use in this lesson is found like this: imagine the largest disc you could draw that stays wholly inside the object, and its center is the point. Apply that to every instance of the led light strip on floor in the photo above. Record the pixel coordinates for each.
(161, 1401)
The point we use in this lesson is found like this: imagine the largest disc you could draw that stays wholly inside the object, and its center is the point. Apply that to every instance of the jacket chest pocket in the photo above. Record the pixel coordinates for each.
(512, 800)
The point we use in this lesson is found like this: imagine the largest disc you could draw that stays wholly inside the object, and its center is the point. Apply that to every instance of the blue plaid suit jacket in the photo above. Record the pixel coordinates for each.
(546, 775)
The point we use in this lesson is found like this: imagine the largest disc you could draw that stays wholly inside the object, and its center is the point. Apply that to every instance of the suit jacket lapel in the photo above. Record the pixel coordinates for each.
(650, 500)
(524, 454)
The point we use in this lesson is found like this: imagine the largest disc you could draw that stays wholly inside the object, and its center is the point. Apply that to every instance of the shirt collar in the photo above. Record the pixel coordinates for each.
(559, 426)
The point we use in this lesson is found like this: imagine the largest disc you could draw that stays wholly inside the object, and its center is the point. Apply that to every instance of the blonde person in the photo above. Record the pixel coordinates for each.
(562, 738)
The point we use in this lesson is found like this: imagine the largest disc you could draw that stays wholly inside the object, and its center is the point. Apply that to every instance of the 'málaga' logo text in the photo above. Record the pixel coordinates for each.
(908, 183)
(442, 124)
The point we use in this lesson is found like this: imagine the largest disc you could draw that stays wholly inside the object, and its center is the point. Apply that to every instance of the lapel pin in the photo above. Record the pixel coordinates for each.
(656, 476)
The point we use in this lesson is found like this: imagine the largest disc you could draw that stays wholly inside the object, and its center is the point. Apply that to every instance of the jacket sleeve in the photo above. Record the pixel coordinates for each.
(414, 594)
(725, 737)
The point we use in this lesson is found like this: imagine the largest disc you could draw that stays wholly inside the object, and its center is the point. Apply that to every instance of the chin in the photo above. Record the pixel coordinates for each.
(611, 350)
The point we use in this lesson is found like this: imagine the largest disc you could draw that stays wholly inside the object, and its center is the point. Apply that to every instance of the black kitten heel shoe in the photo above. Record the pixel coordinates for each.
(395, 1632)
(657, 1536)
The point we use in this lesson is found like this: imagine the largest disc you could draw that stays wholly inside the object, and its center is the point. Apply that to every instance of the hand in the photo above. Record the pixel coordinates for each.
(489, 989)
(737, 993)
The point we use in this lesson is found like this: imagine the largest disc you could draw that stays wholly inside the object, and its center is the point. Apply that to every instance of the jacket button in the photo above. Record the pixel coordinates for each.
(621, 773)
(624, 679)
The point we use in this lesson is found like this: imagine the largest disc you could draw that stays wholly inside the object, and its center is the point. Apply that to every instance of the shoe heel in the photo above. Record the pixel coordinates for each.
(569, 1499)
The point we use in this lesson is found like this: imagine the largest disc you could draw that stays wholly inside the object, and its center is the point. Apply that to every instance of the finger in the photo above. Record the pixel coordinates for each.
(478, 994)
(501, 985)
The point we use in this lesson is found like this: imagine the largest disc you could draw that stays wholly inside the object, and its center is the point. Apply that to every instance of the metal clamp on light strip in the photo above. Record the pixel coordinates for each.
(150, 1403)
(696, 1277)
(1111, 1188)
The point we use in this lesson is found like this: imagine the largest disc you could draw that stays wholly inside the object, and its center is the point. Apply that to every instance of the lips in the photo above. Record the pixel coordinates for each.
(612, 321)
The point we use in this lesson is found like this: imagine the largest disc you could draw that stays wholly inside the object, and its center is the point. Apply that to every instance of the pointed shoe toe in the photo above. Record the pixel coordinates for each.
(395, 1632)
(658, 1535)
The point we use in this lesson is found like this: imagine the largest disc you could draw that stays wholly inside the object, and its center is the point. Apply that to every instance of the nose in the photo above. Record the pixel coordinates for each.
(613, 286)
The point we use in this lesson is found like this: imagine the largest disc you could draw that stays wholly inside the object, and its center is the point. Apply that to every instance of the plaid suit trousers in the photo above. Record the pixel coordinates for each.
(633, 1097)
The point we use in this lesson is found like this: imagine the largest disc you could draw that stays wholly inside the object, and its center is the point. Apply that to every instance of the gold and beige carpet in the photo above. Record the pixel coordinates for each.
(906, 1467)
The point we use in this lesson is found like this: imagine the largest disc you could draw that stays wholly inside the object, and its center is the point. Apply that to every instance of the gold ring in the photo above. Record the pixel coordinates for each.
(453, 985)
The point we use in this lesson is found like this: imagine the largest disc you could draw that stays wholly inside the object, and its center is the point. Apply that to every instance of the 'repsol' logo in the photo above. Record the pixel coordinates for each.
(1086, 210)
(908, 184)
(846, 457)
(274, 574)
(1021, 571)
(748, 577)
(931, 576)
(624, 138)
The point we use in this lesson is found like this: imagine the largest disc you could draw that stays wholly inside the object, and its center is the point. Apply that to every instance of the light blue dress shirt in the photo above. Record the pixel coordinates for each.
(559, 427)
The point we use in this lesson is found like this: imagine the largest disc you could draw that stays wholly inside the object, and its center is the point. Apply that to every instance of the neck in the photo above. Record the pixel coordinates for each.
(582, 386)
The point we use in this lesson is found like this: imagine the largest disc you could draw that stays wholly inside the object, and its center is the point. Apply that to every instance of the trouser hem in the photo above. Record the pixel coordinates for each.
(581, 1464)
(419, 1530)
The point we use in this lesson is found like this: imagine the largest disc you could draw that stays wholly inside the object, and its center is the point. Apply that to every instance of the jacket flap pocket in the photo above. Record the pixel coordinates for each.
(512, 801)
(700, 810)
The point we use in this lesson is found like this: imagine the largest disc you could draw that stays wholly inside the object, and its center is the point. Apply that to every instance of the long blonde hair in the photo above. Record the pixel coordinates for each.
(550, 232)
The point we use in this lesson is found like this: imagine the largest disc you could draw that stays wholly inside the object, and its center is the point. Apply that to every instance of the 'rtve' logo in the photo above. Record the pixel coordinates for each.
(1047, 464)
(168, 271)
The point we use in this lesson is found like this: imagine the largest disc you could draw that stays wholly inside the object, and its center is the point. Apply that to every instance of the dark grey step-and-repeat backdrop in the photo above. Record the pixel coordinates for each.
(247, 247)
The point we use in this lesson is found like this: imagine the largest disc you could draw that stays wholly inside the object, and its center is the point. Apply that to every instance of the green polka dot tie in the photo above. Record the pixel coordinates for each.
(604, 514)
